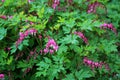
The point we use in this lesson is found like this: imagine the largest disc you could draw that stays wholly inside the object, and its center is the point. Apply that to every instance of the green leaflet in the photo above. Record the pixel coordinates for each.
(82, 74)
(3, 33)
(69, 77)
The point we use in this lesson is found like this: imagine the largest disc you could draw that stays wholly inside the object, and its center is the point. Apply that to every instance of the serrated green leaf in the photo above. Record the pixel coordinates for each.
(70, 39)
(57, 26)
(32, 18)
(82, 74)
(25, 42)
(62, 48)
(20, 47)
(38, 74)
(76, 48)
(47, 60)
(8, 2)
(70, 23)
(13, 49)
(3, 54)
(108, 46)
(69, 77)
(66, 29)
(9, 61)
(86, 25)
(22, 64)
(61, 20)
(41, 12)
(41, 26)
(3, 32)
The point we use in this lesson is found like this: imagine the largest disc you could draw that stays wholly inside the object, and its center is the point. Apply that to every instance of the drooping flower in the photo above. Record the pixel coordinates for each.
(32, 31)
(1, 76)
(27, 70)
(6, 17)
(30, 1)
(81, 35)
(46, 50)
(93, 64)
(10, 17)
(55, 3)
(92, 7)
(50, 47)
(31, 52)
(69, 1)
(21, 38)
(109, 26)
(3, 0)
(31, 23)
(23, 35)
(7, 49)
(52, 43)
(3, 17)
(51, 51)
(40, 37)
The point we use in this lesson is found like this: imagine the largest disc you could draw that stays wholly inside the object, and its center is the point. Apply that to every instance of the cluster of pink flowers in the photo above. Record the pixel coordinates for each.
(51, 47)
(92, 7)
(1, 76)
(93, 64)
(109, 26)
(25, 34)
(81, 35)
(55, 3)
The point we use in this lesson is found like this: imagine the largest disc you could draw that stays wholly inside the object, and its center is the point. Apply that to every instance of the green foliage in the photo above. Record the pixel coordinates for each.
(82, 74)
(50, 69)
(69, 77)
(2, 33)
(28, 60)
